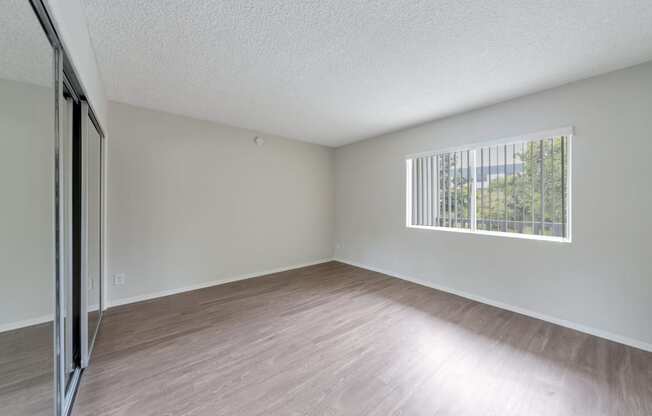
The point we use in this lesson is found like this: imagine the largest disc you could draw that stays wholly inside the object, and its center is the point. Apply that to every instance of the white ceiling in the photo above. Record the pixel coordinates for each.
(336, 71)
(25, 52)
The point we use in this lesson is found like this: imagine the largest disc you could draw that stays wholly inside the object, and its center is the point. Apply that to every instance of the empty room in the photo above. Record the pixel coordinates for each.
(325, 208)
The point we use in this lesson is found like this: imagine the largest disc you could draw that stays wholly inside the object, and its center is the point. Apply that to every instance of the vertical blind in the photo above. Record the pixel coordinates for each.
(441, 190)
(518, 187)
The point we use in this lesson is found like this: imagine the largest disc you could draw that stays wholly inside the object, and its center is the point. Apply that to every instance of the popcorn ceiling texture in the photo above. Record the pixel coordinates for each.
(336, 71)
(25, 52)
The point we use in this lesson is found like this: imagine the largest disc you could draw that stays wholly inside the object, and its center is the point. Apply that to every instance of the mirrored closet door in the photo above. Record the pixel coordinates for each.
(27, 220)
(92, 230)
(70, 307)
(50, 217)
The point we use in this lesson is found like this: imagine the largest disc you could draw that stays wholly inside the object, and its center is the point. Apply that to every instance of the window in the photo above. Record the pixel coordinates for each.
(516, 187)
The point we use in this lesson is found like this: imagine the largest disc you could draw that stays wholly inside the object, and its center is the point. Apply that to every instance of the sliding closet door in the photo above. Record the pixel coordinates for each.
(69, 288)
(92, 229)
(27, 214)
(50, 217)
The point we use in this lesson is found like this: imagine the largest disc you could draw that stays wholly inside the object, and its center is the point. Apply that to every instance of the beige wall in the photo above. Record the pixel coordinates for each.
(192, 202)
(601, 282)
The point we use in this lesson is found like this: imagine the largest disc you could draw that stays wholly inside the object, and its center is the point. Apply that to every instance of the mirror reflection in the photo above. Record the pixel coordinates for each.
(93, 192)
(27, 255)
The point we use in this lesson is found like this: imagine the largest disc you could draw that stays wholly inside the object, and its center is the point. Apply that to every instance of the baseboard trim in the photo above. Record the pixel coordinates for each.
(163, 293)
(25, 323)
(557, 321)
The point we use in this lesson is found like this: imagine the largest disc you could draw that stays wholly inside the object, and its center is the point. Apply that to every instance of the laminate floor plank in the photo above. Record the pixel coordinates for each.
(334, 339)
(26, 371)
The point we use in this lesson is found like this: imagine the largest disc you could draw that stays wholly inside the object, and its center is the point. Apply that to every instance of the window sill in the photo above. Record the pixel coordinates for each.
(494, 233)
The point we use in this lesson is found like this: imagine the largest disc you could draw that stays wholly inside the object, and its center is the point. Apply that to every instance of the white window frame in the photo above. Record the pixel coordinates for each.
(563, 131)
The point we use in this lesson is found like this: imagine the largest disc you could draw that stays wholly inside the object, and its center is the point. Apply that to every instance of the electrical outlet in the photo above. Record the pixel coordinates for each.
(119, 279)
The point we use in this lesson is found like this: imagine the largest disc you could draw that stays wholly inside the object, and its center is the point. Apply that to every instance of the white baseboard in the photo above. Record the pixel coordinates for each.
(25, 323)
(148, 296)
(561, 322)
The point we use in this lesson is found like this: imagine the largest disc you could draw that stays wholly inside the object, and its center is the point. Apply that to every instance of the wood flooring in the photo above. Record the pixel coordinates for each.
(26, 371)
(333, 339)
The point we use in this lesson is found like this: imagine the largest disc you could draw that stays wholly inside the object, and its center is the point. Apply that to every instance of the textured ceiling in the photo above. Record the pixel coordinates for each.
(25, 52)
(336, 71)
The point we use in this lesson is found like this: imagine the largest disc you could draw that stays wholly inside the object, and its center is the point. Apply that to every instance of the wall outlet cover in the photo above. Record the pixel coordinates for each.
(119, 279)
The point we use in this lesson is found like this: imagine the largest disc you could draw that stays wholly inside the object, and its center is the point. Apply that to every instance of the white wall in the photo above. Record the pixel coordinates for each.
(70, 21)
(601, 282)
(26, 223)
(193, 202)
